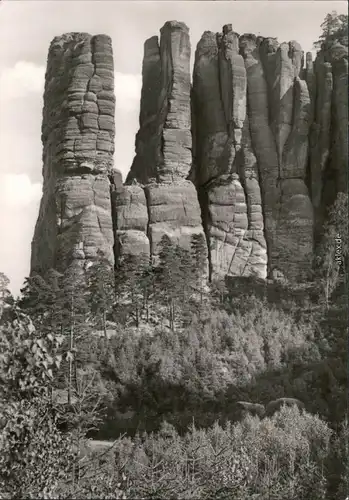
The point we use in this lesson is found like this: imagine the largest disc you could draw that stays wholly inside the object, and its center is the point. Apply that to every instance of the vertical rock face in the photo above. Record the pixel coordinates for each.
(279, 111)
(255, 146)
(340, 118)
(164, 142)
(130, 217)
(149, 137)
(250, 155)
(78, 143)
(225, 165)
(329, 134)
(320, 130)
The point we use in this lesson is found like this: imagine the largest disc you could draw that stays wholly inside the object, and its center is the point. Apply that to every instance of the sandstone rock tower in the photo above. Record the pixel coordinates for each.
(164, 142)
(248, 156)
(225, 170)
(78, 143)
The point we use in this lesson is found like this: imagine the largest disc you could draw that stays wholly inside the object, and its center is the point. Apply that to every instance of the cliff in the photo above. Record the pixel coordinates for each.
(250, 155)
(78, 143)
(164, 141)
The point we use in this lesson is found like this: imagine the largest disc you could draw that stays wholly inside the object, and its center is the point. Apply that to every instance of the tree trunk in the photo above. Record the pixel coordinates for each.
(145, 304)
(172, 315)
(137, 316)
(104, 323)
(71, 348)
(147, 309)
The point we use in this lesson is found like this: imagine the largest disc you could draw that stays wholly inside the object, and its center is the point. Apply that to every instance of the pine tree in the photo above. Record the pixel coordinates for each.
(332, 254)
(199, 262)
(100, 277)
(173, 278)
(334, 29)
(134, 287)
(185, 283)
(145, 280)
(42, 297)
(75, 309)
(167, 276)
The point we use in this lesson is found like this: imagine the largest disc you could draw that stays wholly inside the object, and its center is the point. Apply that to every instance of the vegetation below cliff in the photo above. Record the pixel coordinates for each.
(158, 361)
(183, 377)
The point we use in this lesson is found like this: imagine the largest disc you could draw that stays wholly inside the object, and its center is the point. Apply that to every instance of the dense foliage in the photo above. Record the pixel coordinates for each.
(281, 457)
(101, 353)
(334, 30)
(151, 356)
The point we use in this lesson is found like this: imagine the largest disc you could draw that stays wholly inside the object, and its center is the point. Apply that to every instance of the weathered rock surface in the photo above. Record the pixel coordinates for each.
(163, 144)
(338, 57)
(279, 114)
(250, 155)
(130, 217)
(329, 135)
(246, 408)
(320, 130)
(252, 117)
(277, 404)
(225, 165)
(78, 144)
(173, 211)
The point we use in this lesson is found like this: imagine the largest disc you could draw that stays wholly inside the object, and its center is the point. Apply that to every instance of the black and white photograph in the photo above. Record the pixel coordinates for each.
(174, 250)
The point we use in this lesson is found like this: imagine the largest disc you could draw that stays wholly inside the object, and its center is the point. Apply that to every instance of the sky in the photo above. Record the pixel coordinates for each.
(26, 30)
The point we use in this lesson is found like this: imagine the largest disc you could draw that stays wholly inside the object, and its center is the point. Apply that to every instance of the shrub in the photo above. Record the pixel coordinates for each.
(281, 457)
(35, 456)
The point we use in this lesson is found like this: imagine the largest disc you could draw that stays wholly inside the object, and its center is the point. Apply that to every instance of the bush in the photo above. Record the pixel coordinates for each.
(35, 456)
(282, 457)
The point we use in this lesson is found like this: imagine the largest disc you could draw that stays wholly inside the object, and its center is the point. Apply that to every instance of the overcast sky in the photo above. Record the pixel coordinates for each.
(26, 30)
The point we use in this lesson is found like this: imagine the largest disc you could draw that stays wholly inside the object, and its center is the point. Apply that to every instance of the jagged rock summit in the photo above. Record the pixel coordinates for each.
(248, 156)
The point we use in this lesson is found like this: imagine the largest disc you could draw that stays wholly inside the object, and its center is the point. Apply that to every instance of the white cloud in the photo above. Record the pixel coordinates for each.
(127, 91)
(22, 78)
(25, 77)
(17, 191)
(19, 206)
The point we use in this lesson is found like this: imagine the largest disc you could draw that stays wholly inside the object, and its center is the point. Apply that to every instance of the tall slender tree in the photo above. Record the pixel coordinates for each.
(334, 29)
(173, 278)
(199, 262)
(75, 317)
(100, 280)
(134, 285)
(42, 297)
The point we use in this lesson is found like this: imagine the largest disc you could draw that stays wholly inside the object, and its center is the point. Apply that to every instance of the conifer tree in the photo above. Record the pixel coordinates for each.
(100, 278)
(134, 285)
(167, 276)
(334, 29)
(173, 277)
(4, 284)
(199, 261)
(75, 311)
(146, 280)
(333, 251)
(42, 297)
